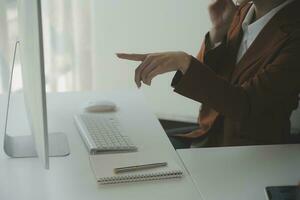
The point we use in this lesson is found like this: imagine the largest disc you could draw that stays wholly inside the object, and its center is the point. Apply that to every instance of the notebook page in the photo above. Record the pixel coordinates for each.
(104, 165)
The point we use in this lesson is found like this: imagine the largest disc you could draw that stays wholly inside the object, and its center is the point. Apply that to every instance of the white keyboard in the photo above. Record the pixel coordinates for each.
(102, 133)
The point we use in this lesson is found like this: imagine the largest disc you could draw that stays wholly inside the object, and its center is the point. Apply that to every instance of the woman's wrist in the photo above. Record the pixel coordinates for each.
(217, 34)
(185, 62)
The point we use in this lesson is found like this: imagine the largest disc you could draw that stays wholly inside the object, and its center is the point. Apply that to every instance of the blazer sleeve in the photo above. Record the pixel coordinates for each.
(267, 90)
(211, 57)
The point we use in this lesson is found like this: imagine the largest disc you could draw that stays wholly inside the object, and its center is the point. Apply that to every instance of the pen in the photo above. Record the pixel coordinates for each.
(139, 167)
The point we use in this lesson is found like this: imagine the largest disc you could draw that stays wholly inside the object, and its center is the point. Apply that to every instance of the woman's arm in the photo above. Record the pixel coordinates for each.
(213, 48)
(221, 13)
(267, 90)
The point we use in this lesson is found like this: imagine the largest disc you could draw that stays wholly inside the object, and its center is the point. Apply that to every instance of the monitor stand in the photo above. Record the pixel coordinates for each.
(24, 146)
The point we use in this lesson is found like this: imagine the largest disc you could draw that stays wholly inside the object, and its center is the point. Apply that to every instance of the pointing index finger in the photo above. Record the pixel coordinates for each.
(134, 57)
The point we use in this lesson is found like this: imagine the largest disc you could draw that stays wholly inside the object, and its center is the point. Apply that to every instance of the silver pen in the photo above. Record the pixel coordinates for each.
(139, 167)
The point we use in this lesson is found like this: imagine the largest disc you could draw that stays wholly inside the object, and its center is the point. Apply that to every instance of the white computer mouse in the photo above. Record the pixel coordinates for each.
(100, 106)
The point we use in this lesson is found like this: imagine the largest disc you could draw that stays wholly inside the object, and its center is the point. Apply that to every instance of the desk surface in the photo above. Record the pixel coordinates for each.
(242, 172)
(71, 177)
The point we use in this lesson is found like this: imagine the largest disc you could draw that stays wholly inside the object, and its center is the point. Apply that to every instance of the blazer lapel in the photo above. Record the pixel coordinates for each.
(260, 47)
(271, 35)
(234, 38)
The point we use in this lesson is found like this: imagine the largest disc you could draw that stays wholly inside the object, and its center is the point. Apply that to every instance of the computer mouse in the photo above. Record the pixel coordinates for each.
(100, 106)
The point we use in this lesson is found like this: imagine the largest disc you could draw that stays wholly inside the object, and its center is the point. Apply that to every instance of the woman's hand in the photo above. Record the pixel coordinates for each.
(221, 14)
(154, 64)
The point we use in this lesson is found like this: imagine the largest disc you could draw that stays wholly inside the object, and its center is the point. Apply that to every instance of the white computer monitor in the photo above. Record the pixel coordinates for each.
(39, 143)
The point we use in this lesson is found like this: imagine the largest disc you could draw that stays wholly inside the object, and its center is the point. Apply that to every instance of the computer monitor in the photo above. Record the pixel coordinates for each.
(39, 143)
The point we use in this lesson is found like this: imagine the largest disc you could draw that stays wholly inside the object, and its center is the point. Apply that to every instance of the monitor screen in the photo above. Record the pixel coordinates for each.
(32, 59)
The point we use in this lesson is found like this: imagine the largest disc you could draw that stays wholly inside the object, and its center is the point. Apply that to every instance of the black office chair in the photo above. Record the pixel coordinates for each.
(294, 137)
(295, 127)
(173, 127)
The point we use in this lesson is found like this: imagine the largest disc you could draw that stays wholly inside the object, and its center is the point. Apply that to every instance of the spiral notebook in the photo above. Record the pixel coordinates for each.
(103, 167)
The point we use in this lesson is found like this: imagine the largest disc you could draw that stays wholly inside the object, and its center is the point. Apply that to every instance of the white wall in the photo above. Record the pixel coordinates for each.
(142, 26)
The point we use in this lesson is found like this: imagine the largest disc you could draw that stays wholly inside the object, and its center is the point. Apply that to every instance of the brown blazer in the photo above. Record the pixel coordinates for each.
(248, 103)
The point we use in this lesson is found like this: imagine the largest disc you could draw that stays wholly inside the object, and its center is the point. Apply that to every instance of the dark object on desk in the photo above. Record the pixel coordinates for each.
(172, 128)
(177, 126)
(283, 193)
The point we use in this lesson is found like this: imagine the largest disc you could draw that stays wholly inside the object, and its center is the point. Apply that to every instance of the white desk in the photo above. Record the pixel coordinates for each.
(71, 178)
(242, 173)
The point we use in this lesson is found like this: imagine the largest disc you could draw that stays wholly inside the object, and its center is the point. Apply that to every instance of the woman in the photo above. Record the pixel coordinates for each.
(247, 74)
